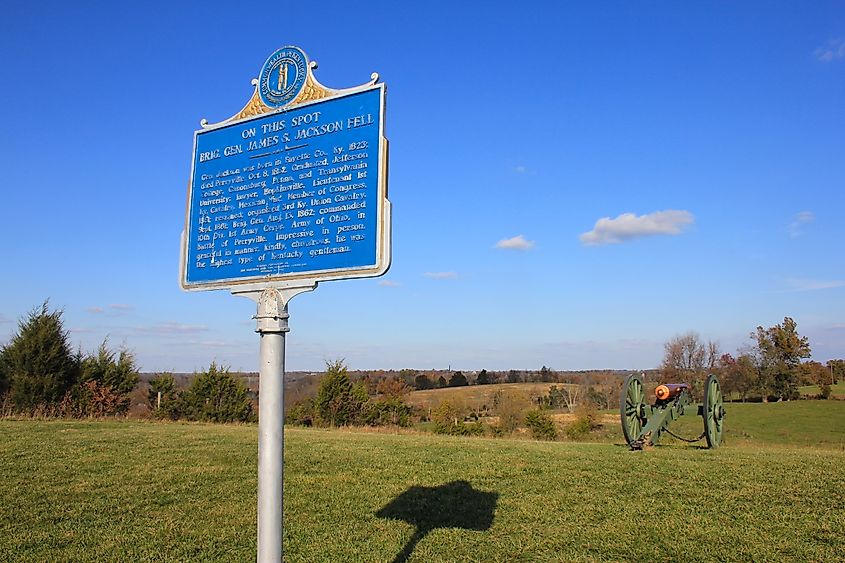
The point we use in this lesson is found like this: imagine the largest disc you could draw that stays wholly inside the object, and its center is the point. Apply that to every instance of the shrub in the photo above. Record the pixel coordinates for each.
(165, 384)
(384, 411)
(38, 366)
(121, 374)
(337, 402)
(541, 425)
(448, 418)
(510, 407)
(105, 380)
(825, 391)
(93, 399)
(215, 396)
(586, 420)
(301, 413)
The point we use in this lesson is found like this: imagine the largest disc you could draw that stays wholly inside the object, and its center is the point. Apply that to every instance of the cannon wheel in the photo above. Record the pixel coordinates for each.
(632, 408)
(714, 412)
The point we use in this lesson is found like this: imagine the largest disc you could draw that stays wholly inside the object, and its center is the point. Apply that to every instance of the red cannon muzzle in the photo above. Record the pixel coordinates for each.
(670, 390)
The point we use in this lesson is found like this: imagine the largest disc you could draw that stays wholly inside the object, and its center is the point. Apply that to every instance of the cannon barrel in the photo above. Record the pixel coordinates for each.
(670, 390)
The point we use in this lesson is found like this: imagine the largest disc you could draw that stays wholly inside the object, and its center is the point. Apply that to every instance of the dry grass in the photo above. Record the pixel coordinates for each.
(476, 396)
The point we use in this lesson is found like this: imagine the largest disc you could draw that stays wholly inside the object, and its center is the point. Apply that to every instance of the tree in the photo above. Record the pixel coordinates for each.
(441, 382)
(120, 374)
(38, 366)
(216, 396)
(408, 376)
(541, 425)
(458, 379)
(837, 370)
(781, 350)
(448, 418)
(162, 391)
(483, 378)
(422, 382)
(335, 403)
(814, 373)
(739, 375)
(510, 407)
(392, 387)
(687, 359)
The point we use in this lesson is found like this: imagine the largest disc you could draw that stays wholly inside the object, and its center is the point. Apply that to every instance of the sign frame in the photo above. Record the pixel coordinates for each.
(310, 94)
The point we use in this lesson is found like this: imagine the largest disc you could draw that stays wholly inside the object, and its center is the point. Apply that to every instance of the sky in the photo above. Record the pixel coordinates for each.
(572, 183)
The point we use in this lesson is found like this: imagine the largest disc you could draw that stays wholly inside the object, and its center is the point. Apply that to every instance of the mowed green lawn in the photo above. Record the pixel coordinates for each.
(130, 491)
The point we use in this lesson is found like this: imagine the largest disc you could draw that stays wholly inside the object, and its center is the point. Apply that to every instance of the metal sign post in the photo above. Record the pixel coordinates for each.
(290, 191)
(271, 324)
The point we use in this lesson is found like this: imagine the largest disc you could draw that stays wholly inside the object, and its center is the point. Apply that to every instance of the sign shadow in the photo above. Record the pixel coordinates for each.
(451, 505)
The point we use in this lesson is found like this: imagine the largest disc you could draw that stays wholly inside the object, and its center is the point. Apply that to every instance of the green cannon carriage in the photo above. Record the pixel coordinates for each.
(644, 425)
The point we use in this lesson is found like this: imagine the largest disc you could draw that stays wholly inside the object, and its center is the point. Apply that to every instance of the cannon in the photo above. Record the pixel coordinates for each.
(644, 425)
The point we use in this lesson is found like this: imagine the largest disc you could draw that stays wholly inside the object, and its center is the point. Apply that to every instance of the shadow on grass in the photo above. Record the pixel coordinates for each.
(452, 505)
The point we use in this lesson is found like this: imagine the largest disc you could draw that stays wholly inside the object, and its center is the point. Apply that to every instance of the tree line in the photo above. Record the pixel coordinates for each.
(773, 366)
(41, 375)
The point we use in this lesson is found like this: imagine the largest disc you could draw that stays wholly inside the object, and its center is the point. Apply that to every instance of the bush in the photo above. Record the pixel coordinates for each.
(215, 396)
(586, 420)
(337, 402)
(448, 418)
(106, 378)
(165, 384)
(120, 374)
(38, 367)
(386, 411)
(93, 399)
(510, 407)
(825, 391)
(301, 413)
(541, 425)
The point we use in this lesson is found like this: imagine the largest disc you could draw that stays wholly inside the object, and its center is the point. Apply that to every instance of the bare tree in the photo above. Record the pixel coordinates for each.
(570, 395)
(687, 357)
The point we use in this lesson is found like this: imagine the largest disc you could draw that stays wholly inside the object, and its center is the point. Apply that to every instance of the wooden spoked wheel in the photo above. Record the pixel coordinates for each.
(713, 412)
(632, 408)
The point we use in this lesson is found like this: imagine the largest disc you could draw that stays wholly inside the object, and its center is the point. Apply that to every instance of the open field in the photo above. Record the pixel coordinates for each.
(812, 424)
(129, 491)
(836, 391)
(475, 396)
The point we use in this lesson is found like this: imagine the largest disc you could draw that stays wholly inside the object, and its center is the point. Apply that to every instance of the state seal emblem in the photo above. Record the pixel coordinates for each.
(282, 76)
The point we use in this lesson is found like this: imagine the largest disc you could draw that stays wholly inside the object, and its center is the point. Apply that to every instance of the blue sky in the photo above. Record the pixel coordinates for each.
(573, 183)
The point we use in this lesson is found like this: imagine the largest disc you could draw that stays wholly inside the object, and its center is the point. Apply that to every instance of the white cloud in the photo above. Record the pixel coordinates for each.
(629, 226)
(834, 50)
(803, 284)
(518, 242)
(4, 319)
(388, 283)
(441, 275)
(800, 219)
(170, 328)
(121, 307)
(520, 169)
(94, 310)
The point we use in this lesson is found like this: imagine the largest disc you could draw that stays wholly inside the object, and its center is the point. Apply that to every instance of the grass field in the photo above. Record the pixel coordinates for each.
(836, 391)
(130, 491)
(475, 396)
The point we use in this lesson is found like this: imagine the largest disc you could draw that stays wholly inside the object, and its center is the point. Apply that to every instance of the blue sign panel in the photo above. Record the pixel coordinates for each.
(295, 193)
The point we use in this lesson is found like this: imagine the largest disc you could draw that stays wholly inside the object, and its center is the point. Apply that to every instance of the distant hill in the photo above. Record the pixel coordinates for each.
(477, 396)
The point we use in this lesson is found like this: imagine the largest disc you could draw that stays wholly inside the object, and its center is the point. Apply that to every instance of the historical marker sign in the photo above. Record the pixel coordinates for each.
(290, 191)
(297, 192)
